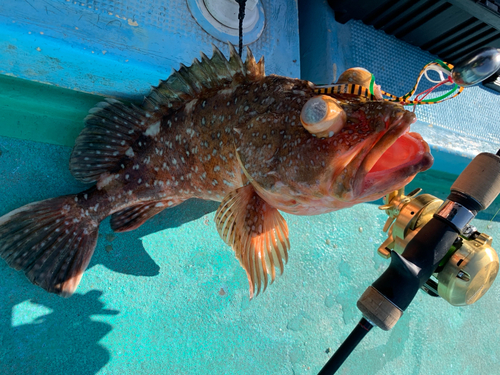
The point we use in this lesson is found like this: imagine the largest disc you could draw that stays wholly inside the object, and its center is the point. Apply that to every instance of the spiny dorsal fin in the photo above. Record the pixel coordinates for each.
(110, 128)
(202, 78)
(257, 233)
(255, 71)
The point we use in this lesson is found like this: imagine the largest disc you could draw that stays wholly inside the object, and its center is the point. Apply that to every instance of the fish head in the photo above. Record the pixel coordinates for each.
(303, 166)
(378, 153)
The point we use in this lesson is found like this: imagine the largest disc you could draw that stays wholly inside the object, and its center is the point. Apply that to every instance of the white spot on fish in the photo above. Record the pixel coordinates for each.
(190, 106)
(153, 129)
(129, 152)
(159, 204)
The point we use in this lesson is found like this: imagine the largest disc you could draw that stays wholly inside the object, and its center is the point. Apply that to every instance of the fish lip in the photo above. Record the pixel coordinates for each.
(398, 129)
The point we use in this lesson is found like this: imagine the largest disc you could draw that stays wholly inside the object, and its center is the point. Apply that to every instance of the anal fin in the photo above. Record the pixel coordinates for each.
(133, 217)
(257, 233)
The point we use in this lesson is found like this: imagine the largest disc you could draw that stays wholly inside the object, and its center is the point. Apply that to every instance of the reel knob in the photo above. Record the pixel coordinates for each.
(469, 272)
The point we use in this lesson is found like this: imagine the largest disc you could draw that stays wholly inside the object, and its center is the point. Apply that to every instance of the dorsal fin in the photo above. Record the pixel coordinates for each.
(202, 78)
(112, 127)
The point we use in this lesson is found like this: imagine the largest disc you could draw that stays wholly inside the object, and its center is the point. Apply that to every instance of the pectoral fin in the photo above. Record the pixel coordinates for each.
(257, 233)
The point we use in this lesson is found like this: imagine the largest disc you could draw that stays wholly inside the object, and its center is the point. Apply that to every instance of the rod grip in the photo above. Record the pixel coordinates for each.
(378, 309)
(480, 180)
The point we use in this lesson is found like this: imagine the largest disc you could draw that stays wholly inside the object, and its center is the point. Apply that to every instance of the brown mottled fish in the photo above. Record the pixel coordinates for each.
(219, 130)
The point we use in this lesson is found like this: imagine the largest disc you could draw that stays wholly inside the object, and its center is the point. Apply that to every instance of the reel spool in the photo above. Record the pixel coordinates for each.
(471, 265)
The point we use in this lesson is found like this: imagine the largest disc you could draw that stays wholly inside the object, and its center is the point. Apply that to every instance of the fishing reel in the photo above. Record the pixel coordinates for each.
(431, 244)
(469, 268)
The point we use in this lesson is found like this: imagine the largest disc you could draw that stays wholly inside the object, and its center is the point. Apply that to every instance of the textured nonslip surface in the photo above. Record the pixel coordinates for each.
(170, 298)
(472, 117)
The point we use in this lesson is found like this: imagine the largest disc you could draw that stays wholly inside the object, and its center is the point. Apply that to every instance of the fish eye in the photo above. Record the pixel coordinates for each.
(322, 116)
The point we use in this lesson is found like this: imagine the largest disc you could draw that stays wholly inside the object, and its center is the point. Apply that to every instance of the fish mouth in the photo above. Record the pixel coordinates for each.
(393, 161)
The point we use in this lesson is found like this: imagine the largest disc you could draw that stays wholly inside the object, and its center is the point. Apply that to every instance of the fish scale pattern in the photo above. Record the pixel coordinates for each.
(396, 65)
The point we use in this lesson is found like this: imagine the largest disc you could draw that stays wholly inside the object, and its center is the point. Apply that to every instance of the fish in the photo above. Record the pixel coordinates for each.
(220, 130)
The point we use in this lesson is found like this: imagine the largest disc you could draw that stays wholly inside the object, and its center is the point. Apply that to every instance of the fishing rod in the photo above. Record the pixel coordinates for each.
(431, 244)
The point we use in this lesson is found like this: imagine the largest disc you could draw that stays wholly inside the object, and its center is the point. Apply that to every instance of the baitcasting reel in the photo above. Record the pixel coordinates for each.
(431, 244)
(469, 268)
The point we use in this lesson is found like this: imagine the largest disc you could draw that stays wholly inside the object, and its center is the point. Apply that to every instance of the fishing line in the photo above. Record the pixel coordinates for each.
(496, 213)
(241, 16)
(367, 92)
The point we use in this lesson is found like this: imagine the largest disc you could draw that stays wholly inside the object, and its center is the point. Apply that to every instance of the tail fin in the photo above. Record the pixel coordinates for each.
(52, 241)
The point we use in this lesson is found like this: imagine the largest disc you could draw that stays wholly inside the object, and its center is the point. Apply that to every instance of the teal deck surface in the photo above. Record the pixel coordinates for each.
(170, 298)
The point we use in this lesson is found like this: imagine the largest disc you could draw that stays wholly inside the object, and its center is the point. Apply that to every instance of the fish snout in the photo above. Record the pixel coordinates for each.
(398, 117)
